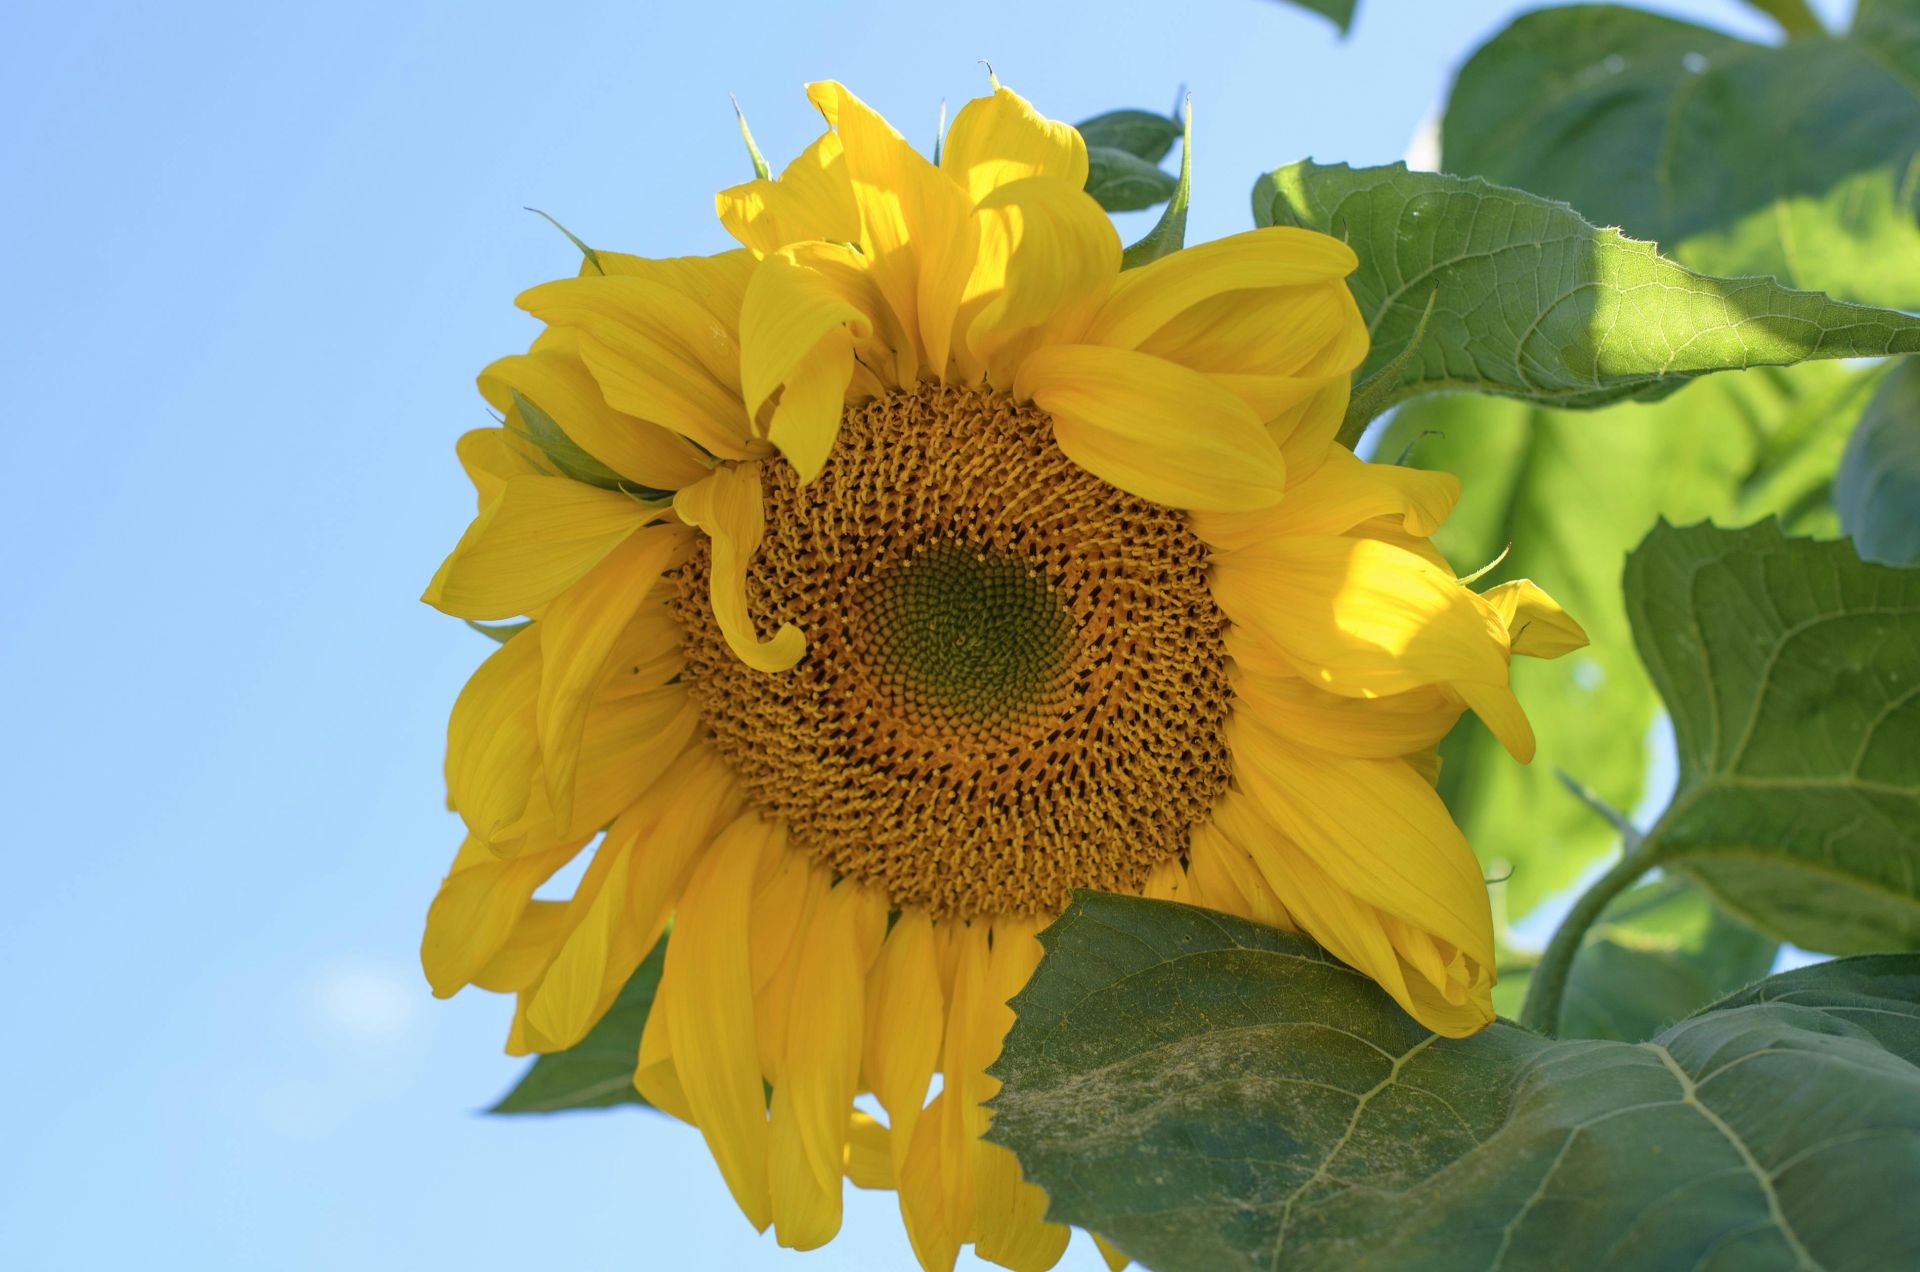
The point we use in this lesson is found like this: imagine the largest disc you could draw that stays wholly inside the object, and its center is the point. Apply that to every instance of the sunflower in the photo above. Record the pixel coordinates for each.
(898, 573)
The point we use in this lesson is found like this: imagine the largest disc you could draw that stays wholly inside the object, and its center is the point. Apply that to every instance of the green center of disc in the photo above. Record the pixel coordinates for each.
(968, 631)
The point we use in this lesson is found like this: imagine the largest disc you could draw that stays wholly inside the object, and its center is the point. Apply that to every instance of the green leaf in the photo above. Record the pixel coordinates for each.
(1731, 446)
(1139, 133)
(597, 1071)
(1878, 486)
(1791, 669)
(1214, 1095)
(1800, 161)
(1660, 952)
(1338, 12)
(1122, 182)
(1535, 303)
(501, 632)
(1169, 233)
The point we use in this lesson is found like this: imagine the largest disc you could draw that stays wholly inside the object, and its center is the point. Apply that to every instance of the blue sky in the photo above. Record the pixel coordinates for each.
(256, 254)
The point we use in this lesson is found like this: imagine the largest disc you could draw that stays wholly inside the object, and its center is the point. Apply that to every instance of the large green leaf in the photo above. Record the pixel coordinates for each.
(1800, 161)
(1572, 493)
(597, 1071)
(1878, 485)
(1210, 1094)
(1791, 669)
(1661, 951)
(1531, 301)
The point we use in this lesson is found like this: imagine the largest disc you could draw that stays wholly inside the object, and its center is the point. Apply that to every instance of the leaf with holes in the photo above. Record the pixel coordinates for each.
(1791, 669)
(1531, 301)
(597, 1071)
(1532, 489)
(1799, 160)
(1210, 1094)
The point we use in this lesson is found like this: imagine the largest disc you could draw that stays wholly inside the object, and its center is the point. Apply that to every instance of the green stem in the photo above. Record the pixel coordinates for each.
(1795, 17)
(1548, 988)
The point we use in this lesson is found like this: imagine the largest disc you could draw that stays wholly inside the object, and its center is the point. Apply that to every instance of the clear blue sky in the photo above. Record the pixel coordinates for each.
(255, 255)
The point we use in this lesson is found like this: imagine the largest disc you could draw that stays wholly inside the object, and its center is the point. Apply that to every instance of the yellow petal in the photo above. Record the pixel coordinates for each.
(629, 741)
(727, 506)
(554, 378)
(1047, 256)
(784, 903)
(492, 746)
(1009, 1225)
(1359, 616)
(529, 948)
(922, 1183)
(1167, 882)
(598, 951)
(655, 1075)
(1114, 1259)
(535, 540)
(1333, 498)
(886, 350)
(706, 990)
(1306, 432)
(1536, 625)
(655, 353)
(869, 1161)
(492, 455)
(913, 223)
(578, 634)
(477, 910)
(797, 332)
(1154, 429)
(1147, 299)
(906, 1014)
(813, 1093)
(1376, 828)
(1225, 877)
(812, 201)
(1307, 332)
(718, 284)
(1001, 139)
(1383, 727)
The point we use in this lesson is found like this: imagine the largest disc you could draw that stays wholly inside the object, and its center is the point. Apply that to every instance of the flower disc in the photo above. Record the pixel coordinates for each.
(1015, 682)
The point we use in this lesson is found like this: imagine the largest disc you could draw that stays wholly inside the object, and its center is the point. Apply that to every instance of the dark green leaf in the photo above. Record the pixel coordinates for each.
(1338, 12)
(1800, 161)
(1661, 951)
(1878, 486)
(1210, 1094)
(1536, 303)
(1731, 446)
(1140, 133)
(1126, 183)
(597, 1071)
(1791, 669)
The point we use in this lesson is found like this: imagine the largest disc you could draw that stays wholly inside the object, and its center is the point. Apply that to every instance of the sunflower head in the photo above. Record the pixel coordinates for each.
(903, 570)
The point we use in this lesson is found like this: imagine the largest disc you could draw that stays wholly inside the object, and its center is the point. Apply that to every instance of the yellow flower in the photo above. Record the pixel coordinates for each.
(901, 571)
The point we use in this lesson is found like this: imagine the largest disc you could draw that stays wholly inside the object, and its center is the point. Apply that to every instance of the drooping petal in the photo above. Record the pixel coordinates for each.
(812, 201)
(1147, 299)
(913, 222)
(813, 1092)
(535, 540)
(1009, 1224)
(1536, 625)
(906, 1014)
(655, 353)
(493, 746)
(1385, 727)
(1047, 256)
(869, 1159)
(528, 949)
(1376, 828)
(727, 507)
(797, 334)
(706, 991)
(480, 903)
(491, 456)
(578, 634)
(1154, 429)
(997, 140)
(555, 379)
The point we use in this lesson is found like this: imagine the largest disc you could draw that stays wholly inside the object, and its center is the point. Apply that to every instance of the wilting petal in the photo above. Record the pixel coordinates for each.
(1536, 625)
(727, 506)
